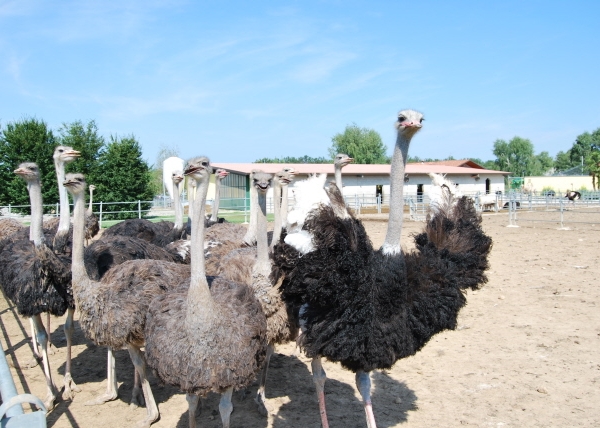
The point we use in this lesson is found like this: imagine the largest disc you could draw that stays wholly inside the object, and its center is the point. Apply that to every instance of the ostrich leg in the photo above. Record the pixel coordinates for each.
(42, 338)
(319, 378)
(225, 407)
(49, 330)
(111, 383)
(70, 386)
(137, 396)
(363, 383)
(192, 400)
(140, 365)
(34, 343)
(260, 394)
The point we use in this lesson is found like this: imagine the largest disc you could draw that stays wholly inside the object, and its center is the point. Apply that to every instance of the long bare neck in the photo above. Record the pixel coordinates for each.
(277, 213)
(190, 195)
(262, 246)
(36, 234)
(63, 223)
(250, 237)
(77, 265)
(391, 244)
(215, 208)
(200, 305)
(284, 206)
(90, 209)
(178, 226)
(338, 177)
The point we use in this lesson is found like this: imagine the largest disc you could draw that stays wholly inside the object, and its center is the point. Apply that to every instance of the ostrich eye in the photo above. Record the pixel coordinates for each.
(401, 118)
(204, 163)
(421, 120)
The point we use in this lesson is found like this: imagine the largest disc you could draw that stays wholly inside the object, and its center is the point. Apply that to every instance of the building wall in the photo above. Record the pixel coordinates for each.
(560, 184)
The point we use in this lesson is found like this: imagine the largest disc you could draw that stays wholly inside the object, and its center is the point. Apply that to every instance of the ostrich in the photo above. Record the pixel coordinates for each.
(368, 308)
(63, 155)
(205, 339)
(36, 280)
(92, 227)
(341, 160)
(220, 175)
(113, 310)
(251, 266)
(280, 202)
(573, 196)
(8, 226)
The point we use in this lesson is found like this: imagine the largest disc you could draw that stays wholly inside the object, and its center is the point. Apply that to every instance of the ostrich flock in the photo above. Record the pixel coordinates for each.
(209, 301)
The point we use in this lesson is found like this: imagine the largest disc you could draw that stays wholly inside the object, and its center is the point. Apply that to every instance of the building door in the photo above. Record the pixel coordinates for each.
(487, 186)
(419, 193)
(379, 192)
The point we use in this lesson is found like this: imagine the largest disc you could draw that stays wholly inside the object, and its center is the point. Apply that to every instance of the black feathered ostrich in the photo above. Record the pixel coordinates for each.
(573, 196)
(36, 280)
(205, 339)
(368, 308)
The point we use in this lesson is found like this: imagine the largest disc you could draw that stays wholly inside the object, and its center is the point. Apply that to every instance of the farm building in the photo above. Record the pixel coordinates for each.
(373, 180)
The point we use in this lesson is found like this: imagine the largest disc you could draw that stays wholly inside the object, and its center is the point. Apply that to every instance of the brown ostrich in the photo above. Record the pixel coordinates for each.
(205, 339)
(252, 267)
(113, 310)
(36, 280)
(341, 160)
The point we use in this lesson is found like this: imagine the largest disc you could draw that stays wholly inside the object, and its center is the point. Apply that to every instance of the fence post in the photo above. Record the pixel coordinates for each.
(512, 211)
(9, 211)
(139, 209)
(100, 215)
(562, 208)
(378, 204)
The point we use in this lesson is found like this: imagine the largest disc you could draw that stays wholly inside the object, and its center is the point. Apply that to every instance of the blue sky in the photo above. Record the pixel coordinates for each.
(239, 80)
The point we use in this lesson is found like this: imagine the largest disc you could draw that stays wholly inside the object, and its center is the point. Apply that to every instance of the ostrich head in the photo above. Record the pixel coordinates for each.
(65, 154)
(261, 181)
(284, 177)
(342, 159)
(221, 173)
(92, 187)
(28, 171)
(409, 123)
(75, 183)
(198, 168)
(177, 176)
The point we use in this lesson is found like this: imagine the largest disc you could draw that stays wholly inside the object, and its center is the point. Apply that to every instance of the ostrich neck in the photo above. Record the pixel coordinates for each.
(77, 265)
(178, 226)
(338, 178)
(277, 212)
(190, 197)
(200, 305)
(36, 234)
(63, 223)
(262, 246)
(250, 237)
(215, 207)
(90, 209)
(284, 206)
(391, 244)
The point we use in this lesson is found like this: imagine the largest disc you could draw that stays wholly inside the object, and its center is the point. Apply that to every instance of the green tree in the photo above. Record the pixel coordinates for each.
(27, 140)
(562, 161)
(293, 159)
(125, 176)
(85, 138)
(363, 144)
(593, 166)
(544, 163)
(516, 156)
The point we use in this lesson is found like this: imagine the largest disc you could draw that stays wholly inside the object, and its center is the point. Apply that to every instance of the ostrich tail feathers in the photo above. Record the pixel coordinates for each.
(455, 234)
(308, 194)
(442, 193)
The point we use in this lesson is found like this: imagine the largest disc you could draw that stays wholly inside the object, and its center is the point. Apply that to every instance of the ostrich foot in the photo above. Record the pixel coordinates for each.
(104, 398)
(261, 405)
(50, 400)
(137, 398)
(70, 388)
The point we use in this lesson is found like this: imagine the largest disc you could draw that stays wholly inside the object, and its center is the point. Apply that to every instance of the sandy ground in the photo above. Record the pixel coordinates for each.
(525, 354)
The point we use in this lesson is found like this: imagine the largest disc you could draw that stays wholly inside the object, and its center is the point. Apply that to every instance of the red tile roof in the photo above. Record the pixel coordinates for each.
(461, 162)
(355, 169)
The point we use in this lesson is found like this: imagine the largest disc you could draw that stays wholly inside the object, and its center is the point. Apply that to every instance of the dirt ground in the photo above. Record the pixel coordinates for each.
(526, 352)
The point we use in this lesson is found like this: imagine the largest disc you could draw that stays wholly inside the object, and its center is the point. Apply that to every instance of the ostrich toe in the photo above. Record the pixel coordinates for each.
(70, 388)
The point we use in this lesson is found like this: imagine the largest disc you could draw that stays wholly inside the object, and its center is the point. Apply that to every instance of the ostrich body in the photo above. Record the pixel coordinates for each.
(367, 308)
(113, 310)
(573, 196)
(36, 280)
(92, 226)
(341, 160)
(8, 226)
(205, 340)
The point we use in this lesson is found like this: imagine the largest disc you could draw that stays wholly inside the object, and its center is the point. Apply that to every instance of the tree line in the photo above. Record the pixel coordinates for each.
(114, 165)
(516, 156)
